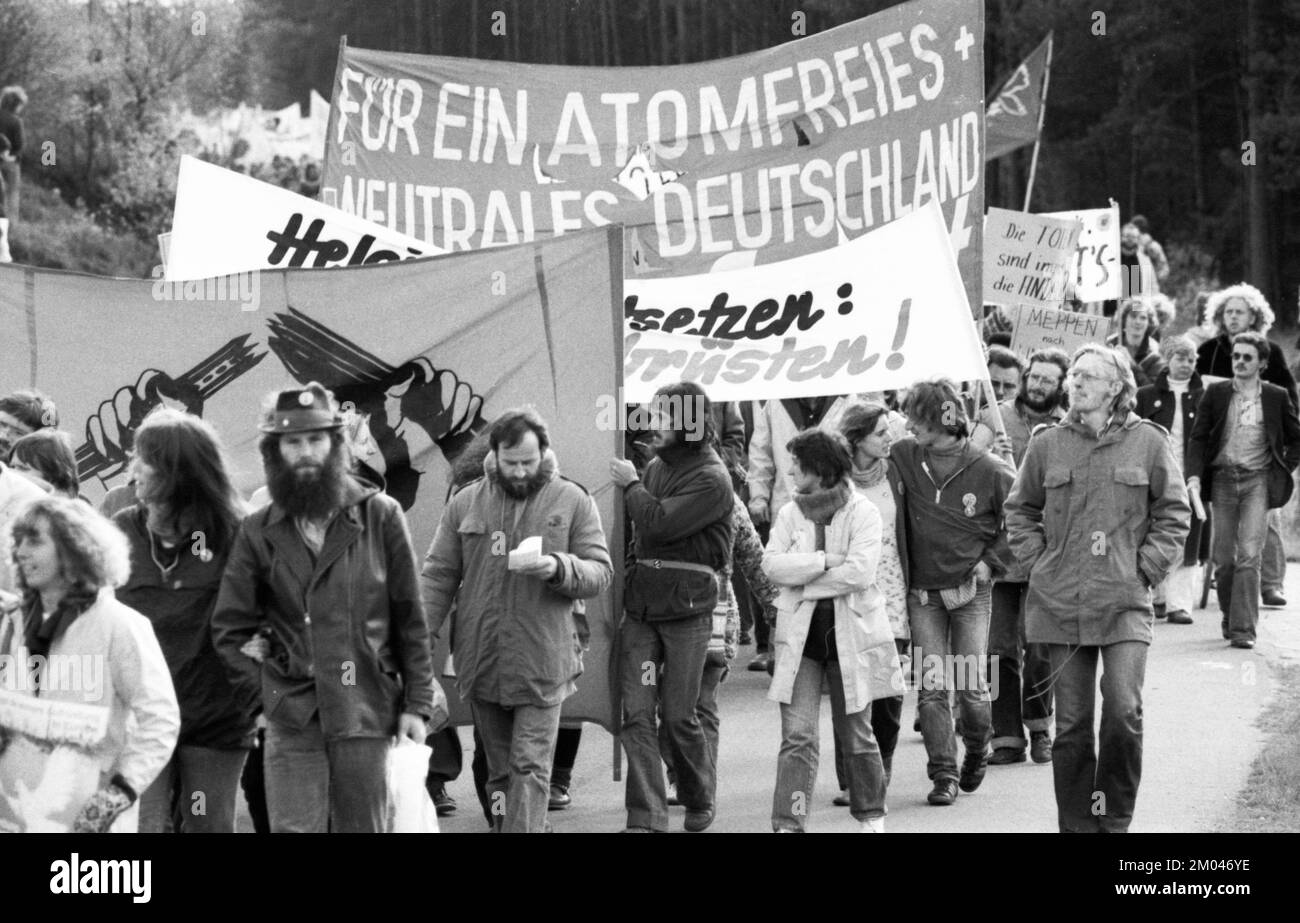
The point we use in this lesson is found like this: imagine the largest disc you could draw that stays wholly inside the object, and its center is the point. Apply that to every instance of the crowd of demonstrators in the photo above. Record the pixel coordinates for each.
(865, 542)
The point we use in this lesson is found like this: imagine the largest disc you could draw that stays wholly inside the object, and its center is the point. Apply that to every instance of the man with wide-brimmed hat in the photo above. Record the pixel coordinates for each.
(328, 568)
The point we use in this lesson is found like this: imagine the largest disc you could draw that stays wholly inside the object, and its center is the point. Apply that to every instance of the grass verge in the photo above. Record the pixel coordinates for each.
(1270, 802)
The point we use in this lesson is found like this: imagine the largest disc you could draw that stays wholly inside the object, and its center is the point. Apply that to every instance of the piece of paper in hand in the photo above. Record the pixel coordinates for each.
(529, 550)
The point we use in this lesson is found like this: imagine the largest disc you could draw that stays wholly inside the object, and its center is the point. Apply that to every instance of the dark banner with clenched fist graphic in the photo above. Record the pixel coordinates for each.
(421, 355)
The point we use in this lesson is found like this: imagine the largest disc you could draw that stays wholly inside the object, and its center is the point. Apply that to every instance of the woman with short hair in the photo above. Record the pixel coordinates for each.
(67, 561)
(180, 535)
(831, 625)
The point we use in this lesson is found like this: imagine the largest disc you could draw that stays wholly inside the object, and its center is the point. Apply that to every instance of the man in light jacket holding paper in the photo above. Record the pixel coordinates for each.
(515, 640)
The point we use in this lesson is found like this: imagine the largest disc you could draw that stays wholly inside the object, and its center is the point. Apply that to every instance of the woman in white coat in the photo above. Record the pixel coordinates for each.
(95, 662)
(831, 624)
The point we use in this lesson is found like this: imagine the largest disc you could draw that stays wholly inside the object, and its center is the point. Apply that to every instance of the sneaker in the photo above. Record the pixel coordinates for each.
(972, 770)
(872, 825)
(559, 798)
(1004, 756)
(1273, 598)
(698, 821)
(759, 664)
(945, 791)
(1040, 746)
(443, 803)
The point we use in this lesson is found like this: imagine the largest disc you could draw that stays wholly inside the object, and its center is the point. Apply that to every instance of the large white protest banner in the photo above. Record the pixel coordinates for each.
(1097, 267)
(878, 312)
(1028, 259)
(774, 154)
(227, 223)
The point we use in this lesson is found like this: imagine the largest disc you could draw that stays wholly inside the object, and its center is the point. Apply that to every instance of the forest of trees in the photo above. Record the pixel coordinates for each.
(1181, 110)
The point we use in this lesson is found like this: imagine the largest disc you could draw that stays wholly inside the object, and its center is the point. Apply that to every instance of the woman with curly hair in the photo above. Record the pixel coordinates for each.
(68, 559)
(180, 536)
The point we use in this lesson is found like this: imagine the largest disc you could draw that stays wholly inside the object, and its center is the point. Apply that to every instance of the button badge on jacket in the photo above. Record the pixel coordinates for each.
(968, 501)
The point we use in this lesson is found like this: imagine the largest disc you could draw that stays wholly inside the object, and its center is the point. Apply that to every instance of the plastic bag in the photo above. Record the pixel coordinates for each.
(410, 809)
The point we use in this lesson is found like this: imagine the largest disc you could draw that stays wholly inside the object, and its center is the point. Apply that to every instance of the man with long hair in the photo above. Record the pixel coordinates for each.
(329, 569)
(181, 533)
(681, 516)
(1097, 517)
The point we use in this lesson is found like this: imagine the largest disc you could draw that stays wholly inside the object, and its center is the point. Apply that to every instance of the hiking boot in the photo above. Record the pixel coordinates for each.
(1040, 746)
(443, 803)
(945, 791)
(972, 770)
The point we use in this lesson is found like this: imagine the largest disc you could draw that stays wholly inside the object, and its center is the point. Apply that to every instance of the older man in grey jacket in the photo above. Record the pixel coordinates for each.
(1097, 517)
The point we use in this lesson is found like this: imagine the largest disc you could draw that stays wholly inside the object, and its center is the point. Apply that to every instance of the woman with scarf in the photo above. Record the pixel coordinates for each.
(78, 648)
(823, 553)
(866, 428)
(181, 533)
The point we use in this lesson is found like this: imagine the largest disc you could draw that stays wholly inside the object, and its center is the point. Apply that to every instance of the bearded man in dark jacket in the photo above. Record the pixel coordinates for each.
(682, 534)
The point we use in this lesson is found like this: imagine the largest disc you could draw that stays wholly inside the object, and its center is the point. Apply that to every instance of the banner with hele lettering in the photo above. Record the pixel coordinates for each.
(747, 160)
(226, 222)
(1097, 266)
(878, 312)
(423, 353)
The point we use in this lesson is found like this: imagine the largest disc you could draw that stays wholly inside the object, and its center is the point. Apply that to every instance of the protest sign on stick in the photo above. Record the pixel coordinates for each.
(1040, 328)
(1097, 266)
(1027, 258)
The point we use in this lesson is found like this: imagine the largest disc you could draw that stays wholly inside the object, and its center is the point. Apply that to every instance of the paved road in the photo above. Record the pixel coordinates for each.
(1202, 700)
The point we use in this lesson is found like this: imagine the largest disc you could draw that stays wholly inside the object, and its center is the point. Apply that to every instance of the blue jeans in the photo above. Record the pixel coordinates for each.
(662, 665)
(796, 764)
(519, 744)
(706, 709)
(1240, 501)
(949, 652)
(314, 785)
(198, 787)
(1024, 695)
(1096, 786)
(1272, 571)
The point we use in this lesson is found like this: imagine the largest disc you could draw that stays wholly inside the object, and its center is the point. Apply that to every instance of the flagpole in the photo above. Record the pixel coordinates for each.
(1042, 111)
